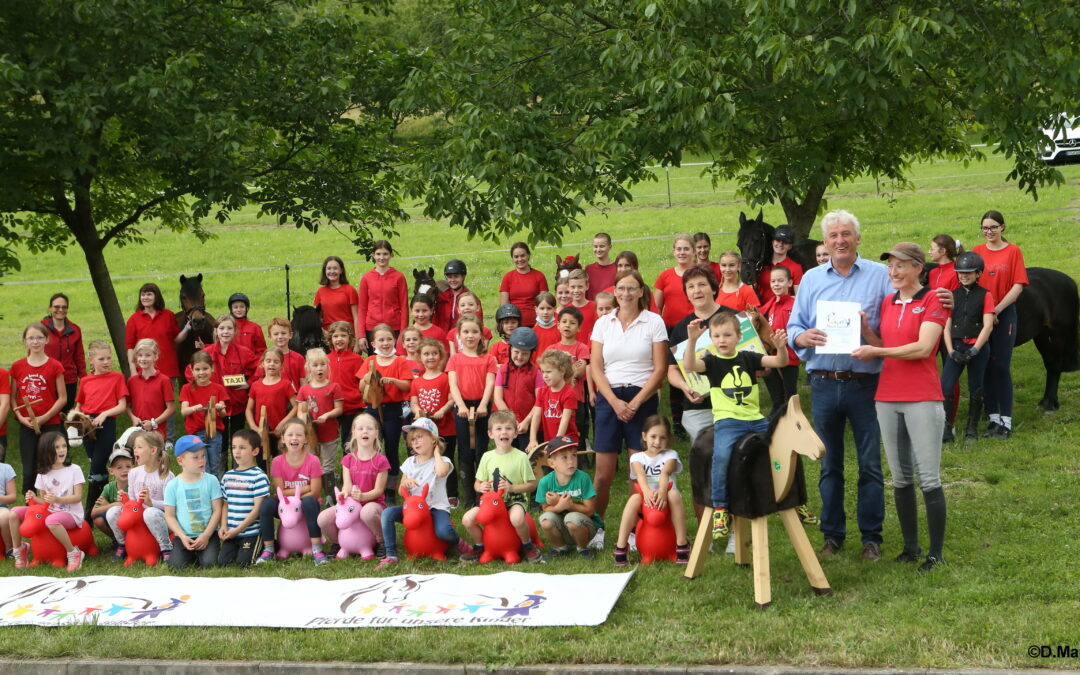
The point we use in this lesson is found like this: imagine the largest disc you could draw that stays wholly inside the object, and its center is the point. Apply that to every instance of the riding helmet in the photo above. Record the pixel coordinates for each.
(969, 261)
(785, 233)
(455, 266)
(523, 338)
(507, 311)
(239, 297)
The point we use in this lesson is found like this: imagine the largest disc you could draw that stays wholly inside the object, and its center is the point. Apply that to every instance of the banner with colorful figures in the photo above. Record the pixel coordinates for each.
(411, 600)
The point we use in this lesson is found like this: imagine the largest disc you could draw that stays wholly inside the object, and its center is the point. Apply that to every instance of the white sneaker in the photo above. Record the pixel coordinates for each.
(731, 544)
(597, 542)
(632, 542)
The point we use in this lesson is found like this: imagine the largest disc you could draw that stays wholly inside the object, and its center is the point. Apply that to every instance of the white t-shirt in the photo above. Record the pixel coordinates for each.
(6, 474)
(138, 479)
(425, 473)
(654, 466)
(61, 482)
(628, 354)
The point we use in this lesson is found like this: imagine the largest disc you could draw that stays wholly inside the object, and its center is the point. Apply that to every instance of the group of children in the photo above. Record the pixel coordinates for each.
(449, 391)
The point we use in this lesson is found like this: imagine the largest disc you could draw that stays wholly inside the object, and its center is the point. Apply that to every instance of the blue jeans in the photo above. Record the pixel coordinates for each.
(836, 402)
(213, 452)
(444, 529)
(998, 386)
(727, 432)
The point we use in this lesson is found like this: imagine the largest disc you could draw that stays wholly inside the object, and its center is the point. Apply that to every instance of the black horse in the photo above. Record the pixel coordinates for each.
(755, 247)
(1048, 313)
(193, 311)
(425, 286)
(307, 330)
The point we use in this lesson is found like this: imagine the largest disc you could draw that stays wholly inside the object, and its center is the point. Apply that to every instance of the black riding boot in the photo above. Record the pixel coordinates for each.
(949, 434)
(94, 489)
(975, 403)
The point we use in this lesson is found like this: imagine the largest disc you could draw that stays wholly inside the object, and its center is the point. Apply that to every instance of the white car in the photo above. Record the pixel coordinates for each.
(1063, 146)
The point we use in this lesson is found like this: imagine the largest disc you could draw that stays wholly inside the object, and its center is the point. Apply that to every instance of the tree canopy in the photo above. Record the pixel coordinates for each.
(114, 113)
(554, 106)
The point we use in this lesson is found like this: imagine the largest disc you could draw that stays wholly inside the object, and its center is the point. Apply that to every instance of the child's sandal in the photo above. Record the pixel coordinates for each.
(682, 554)
(621, 556)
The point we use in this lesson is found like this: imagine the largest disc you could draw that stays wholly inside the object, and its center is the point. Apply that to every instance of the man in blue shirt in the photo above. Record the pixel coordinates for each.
(842, 387)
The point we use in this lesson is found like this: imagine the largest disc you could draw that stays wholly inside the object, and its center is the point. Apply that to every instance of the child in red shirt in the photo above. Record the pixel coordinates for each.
(547, 332)
(516, 382)
(409, 344)
(292, 368)
(562, 293)
(468, 304)
(336, 297)
(446, 307)
(556, 401)
(778, 311)
(195, 397)
(395, 376)
(429, 396)
(569, 331)
(153, 403)
(277, 395)
(320, 402)
(234, 369)
(248, 333)
(38, 381)
(507, 319)
(579, 284)
(383, 295)
(733, 293)
(602, 272)
(472, 384)
(344, 362)
(422, 312)
(103, 395)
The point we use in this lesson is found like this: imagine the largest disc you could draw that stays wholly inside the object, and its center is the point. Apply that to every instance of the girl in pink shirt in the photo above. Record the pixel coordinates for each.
(294, 468)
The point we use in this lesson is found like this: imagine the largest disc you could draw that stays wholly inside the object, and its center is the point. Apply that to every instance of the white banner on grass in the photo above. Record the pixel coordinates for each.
(412, 600)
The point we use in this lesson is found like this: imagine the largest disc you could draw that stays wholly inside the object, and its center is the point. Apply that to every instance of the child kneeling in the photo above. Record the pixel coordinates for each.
(428, 467)
(568, 500)
(516, 480)
(654, 469)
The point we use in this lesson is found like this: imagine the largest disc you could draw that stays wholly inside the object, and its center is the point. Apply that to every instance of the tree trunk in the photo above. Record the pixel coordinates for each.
(82, 225)
(802, 216)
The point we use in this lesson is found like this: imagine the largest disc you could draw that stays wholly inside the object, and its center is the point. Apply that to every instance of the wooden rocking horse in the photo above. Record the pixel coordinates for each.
(79, 427)
(264, 435)
(761, 475)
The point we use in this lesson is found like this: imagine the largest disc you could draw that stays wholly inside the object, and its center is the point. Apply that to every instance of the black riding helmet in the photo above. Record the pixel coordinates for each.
(969, 261)
(507, 311)
(784, 233)
(455, 266)
(239, 297)
(523, 338)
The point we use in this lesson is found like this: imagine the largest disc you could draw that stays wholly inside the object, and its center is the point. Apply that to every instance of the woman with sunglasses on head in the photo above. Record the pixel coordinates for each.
(1005, 276)
(65, 345)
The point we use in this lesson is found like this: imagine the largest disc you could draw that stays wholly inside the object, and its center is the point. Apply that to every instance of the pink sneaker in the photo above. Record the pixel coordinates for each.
(74, 559)
(386, 562)
(465, 549)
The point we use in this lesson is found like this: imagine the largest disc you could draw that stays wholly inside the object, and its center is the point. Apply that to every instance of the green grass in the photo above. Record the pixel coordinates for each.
(1013, 525)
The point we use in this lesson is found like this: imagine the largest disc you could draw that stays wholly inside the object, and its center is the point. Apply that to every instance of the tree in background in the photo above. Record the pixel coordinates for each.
(118, 113)
(554, 106)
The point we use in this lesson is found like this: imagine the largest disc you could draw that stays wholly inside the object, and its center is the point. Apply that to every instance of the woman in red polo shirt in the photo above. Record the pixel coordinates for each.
(337, 299)
(383, 296)
(65, 345)
(152, 320)
(522, 284)
(1004, 276)
(668, 291)
(908, 399)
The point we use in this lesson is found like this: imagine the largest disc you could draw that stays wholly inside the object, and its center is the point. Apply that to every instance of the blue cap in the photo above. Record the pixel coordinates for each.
(188, 444)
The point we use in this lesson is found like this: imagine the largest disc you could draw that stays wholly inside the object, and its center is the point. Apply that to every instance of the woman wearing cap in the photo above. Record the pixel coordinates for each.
(628, 361)
(383, 295)
(909, 399)
(65, 345)
(782, 241)
(152, 320)
(521, 285)
(1005, 276)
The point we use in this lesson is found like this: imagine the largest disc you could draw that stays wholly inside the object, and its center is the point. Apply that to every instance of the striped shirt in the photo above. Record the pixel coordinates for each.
(242, 487)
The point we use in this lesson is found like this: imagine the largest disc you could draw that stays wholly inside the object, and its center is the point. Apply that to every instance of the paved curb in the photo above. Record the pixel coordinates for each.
(146, 667)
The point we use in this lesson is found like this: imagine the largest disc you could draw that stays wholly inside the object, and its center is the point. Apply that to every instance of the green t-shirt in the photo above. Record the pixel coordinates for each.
(579, 488)
(111, 493)
(513, 466)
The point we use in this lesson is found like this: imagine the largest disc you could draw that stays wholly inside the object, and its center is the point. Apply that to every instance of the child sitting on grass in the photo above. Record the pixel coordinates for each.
(516, 480)
(193, 507)
(568, 501)
(245, 487)
(120, 463)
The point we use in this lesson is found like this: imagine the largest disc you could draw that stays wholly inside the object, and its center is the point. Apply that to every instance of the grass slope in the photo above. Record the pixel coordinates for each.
(1013, 525)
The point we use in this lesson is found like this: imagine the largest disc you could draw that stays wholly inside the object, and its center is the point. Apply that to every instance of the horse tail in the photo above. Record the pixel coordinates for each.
(1070, 355)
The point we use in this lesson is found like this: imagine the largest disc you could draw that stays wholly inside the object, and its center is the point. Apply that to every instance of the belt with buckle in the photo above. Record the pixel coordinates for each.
(842, 375)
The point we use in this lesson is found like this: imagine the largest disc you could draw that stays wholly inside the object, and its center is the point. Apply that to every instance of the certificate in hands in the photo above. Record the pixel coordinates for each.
(842, 325)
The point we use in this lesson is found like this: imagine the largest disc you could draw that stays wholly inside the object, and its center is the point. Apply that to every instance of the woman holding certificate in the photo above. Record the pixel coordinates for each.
(908, 399)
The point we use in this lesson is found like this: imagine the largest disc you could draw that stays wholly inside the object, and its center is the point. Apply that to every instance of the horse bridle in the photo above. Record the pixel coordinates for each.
(759, 264)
